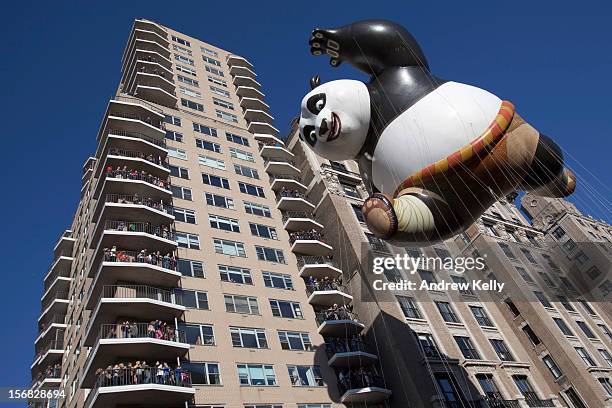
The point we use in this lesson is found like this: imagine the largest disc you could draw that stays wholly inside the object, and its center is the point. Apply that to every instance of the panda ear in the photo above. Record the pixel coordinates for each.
(315, 81)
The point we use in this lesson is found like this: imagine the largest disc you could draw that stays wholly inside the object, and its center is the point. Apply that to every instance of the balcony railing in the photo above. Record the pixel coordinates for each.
(139, 375)
(532, 400)
(340, 170)
(137, 200)
(158, 124)
(55, 318)
(138, 135)
(340, 313)
(141, 291)
(323, 285)
(162, 231)
(60, 294)
(54, 371)
(51, 345)
(156, 71)
(303, 260)
(268, 161)
(496, 400)
(343, 345)
(289, 193)
(284, 177)
(296, 214)
(353, 379)
(136, 175)
(138, 155)
(167, 261)
(137, 101)
(306, 235)
(141, 331)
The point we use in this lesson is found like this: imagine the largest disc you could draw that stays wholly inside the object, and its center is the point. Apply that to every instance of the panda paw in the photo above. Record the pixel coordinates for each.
(323, 42)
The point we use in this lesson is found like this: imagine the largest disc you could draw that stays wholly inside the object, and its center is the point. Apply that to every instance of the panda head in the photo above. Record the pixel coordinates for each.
(335, 118)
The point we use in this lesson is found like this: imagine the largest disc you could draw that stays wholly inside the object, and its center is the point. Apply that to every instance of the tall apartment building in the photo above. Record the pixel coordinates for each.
(178, 283)
(538, 343)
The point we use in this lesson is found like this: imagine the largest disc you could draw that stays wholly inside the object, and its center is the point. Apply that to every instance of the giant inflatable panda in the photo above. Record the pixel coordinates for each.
(434, 154)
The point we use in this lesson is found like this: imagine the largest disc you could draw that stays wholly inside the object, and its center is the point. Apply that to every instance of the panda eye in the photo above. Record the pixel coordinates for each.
(316, 103)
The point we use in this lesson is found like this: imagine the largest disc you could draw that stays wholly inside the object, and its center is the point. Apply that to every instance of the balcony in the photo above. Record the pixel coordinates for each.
(132, 181)
(256, 115)
(262, 127)
(141, 302)
(153, 87)
(269, 140)
(309, 243)
(133, 235)
(151, 45)
(134, 207)
(533, 400)
(300, 221)
(60, 267)
(141, 54)
(56, 303)
(147, 31)
(48, 355)
(495, 400)
(317, 267)
(140, 161)
(151, 26)
(237, 61)
(338, 322)
(60, 284)
(293, 200)
(348, 352)
(144, 64)
(342, 172)
(281, 167)
(237, 70)
(249, 92)
(64, 244)
(280, 182)
(362, 388)
(49, 377)
(275, 151)
(120, 388)
(130, 115)
(133, 341)
(51, 325)
(326, 292)
(138, 267)
(247, 80)
(254, 104)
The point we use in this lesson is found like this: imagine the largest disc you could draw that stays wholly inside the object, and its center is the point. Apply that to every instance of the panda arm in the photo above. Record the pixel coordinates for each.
(369, 45)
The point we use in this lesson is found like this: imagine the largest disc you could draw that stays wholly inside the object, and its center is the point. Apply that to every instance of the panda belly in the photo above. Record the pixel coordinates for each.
(433, 128)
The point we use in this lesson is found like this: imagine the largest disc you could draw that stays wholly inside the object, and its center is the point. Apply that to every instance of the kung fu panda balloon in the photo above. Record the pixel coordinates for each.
(434, 154)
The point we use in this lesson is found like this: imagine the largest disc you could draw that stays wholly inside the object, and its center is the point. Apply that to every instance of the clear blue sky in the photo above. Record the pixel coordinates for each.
(61, 63)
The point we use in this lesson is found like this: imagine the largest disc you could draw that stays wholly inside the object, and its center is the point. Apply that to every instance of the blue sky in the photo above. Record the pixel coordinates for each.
(61, 63)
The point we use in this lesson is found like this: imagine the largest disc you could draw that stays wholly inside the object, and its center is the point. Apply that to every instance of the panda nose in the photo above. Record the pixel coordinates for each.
(323, 128)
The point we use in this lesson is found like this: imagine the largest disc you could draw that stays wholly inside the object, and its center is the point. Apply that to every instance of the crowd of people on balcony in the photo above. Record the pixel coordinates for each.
(155, 71)
(146, 227)
(167, 261)
(139, 155)
(133, 174)
(358, 378)
(142, 373)
(50, 371)
(337, 312)
(155, 329)
(326, 283)
(136, 199)
(344, 345)
(290, 193)
(312, 234)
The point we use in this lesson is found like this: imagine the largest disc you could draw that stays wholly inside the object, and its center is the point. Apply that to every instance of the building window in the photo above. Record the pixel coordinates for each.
(177, 137)
(581, 258)
(187, 267)
(467, 348)
(214, 71)
(427, 345)
(186, 240)
(543, 300)
(606, 384)
(232, 248)
(586, 329)
(181, 41)
(184, 215)
(513, 309)
(222, 103)
(574, 398)
(211, 60)
(270, 254)
(277, 280)
(237, 139)
(173, 120)
(450, 390)
(219, 201)
(188, 81)
(552, 366)
(230, 117)
(192, 105)
(481, 316)
(215, 181)
(246, 171)
(203, 373)
(587, 307)
(305, 376)
(186, 70)
(529, 256)
(251, 189)
(409, 307)
(501, 349)
(241, 304)
(447, 312)
(558, 232)
(248, 338)
(241, 154)
(284, 308)
(358, 213)
(487, 383)
(195, 300)
(223, 223)
(460, 280)
(235, 274)
(524, 274)
(217, 81)
(566, 304)
(184, 59)
(198, 334)
(350, 190)
(313, 406)
(257, 209)
(263, 231)
(427, 276)
(181, 172)
(606, 356)
(585, 356)
(604, 329)
(211, 162)
(533, 338)
(219, 91)
(191, 93)
(256, 374)
(377, 244)
(205, 130)
(213, 147)
(507, 251)
(294, 340)
(181, 192)
(209, 52)
(563, 327)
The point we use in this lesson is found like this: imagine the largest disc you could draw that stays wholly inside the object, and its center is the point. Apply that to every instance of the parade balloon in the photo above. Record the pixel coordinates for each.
(434, 154)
